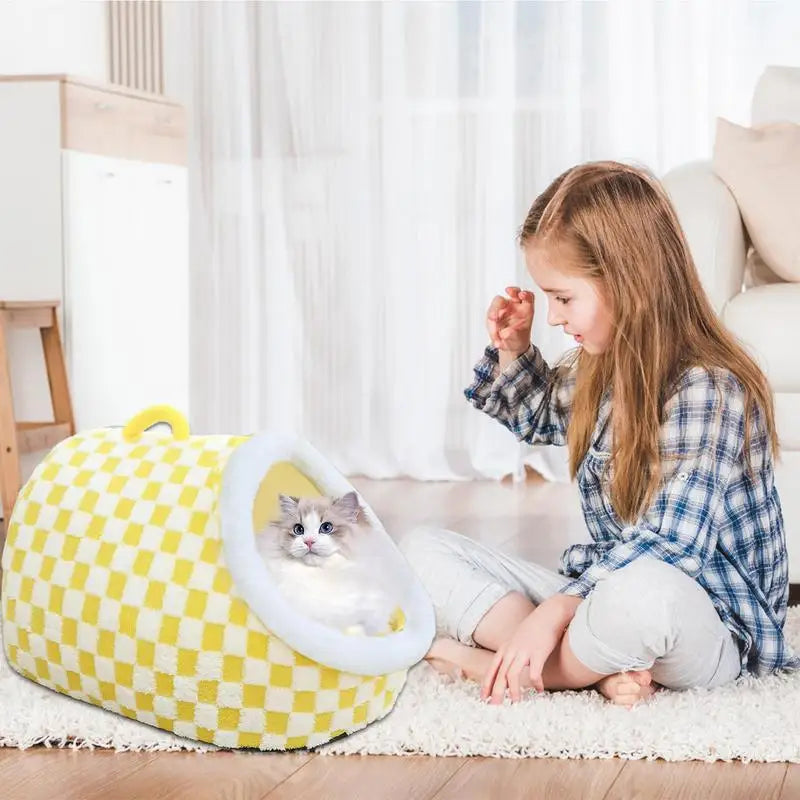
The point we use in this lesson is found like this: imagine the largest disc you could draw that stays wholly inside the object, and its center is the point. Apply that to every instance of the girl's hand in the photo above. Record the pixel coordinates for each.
(509, 320)
(523, 656)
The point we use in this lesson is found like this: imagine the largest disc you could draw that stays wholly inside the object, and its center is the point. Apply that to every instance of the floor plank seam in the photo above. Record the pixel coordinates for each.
(616, 778)
(437, 792)
(294, 772)
(779, 795)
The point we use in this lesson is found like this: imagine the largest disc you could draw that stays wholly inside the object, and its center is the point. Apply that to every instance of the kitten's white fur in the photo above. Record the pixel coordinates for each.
(333, 577)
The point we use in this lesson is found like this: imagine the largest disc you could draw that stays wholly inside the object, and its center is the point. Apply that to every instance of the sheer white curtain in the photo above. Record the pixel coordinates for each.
(360, 170)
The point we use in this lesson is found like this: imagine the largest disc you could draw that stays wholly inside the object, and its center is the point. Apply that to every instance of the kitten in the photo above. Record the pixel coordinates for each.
(320, 555)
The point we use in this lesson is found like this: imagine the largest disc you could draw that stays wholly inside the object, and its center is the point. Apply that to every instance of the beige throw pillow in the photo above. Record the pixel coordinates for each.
(761, 167)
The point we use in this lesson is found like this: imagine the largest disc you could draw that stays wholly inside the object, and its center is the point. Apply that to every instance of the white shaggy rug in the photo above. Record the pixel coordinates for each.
(751, 720)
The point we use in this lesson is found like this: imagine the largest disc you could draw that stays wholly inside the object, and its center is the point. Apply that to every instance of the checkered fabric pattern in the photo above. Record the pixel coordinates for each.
(115, 592)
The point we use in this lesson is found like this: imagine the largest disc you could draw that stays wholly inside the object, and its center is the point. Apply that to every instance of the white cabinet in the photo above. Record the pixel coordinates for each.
(125, 286)
(94, 212)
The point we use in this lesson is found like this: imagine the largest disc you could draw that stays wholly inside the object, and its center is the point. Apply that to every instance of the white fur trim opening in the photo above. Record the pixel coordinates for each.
(360, 655)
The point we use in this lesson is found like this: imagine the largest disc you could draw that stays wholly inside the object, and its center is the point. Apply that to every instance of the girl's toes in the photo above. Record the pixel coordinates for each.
(642, 677)
(626, 687)
(609, 686)
(627, 700)
(648, 691)
(639, 695)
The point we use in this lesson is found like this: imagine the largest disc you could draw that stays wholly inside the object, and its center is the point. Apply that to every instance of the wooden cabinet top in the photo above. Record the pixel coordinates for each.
(112, 120)
(91, 83)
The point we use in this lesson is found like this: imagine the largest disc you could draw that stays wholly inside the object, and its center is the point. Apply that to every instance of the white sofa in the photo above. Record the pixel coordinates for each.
(762, 309)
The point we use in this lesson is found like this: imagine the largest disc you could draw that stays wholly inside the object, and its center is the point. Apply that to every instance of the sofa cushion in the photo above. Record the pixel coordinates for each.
(787, 420)
(773, 347)
(761, 167)
(767, 321)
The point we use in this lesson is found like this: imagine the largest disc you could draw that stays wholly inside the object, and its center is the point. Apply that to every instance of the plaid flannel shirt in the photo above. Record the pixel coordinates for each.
(708, 517)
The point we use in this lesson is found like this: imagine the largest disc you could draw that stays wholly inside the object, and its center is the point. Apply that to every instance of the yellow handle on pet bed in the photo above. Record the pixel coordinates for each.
(152, 416)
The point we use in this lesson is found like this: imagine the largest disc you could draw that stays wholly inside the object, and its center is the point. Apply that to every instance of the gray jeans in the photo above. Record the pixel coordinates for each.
(646, 615)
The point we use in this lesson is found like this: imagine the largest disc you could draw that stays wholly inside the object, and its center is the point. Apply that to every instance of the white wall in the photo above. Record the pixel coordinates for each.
(47, 36)
(53, 36)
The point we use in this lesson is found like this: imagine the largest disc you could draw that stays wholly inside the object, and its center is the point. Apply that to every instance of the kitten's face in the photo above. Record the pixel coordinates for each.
(313, 529)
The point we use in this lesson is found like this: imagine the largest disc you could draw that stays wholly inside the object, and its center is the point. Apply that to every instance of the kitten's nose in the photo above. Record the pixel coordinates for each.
(309, 542)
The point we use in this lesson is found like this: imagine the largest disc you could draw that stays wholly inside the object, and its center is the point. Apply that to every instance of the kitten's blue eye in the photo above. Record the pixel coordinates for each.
(298, 530)
(326, 527)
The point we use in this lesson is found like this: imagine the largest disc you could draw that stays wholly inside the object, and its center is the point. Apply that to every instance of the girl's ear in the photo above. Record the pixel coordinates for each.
(348, 506)
(289, 505)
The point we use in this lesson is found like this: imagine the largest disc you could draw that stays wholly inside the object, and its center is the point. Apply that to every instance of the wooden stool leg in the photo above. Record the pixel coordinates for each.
(57, 374)
(9, 453)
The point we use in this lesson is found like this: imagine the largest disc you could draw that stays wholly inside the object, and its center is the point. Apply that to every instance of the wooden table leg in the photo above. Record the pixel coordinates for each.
(9, 453)
(57, 373)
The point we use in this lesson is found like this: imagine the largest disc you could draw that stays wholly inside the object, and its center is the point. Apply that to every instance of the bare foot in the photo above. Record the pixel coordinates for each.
(627, 688)
(458, 661)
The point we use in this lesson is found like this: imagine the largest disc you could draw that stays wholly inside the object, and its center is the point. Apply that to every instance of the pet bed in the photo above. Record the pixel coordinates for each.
(132, 581)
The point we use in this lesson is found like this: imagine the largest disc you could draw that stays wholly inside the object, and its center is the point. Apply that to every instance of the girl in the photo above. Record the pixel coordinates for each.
(671, 437)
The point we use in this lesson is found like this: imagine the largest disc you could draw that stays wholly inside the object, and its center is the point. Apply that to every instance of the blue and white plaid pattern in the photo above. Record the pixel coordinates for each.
(708, 517)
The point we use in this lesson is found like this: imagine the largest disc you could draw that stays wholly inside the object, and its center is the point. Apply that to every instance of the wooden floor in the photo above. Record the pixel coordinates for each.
(535, 519)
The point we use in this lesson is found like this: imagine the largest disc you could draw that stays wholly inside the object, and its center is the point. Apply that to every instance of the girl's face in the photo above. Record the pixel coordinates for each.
(575, 303)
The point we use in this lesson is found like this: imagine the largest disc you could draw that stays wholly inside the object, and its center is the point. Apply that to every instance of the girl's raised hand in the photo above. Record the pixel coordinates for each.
(509, 320)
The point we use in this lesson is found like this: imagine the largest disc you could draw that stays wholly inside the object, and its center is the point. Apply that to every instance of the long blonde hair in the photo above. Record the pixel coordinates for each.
(621, 226)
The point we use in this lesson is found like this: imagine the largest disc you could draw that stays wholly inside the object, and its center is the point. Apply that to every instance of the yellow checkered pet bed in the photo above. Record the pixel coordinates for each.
(131, 581)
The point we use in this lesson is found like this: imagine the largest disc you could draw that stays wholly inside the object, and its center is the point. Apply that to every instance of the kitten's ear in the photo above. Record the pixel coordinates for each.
(348, 506)
(288, 504)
